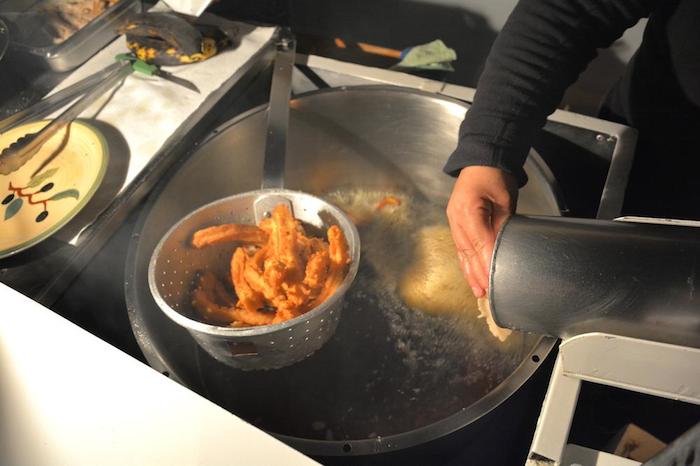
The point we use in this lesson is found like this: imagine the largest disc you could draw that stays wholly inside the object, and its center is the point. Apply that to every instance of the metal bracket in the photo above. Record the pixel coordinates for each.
(278, 112)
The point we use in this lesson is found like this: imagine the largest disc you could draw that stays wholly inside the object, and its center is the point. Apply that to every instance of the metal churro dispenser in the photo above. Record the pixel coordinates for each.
(567, 276)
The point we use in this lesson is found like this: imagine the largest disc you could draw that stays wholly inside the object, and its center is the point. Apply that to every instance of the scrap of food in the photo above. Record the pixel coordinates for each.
(485, 313)
(278, 272)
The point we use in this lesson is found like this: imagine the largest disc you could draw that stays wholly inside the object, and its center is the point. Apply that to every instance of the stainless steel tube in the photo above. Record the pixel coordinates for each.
(567, 276)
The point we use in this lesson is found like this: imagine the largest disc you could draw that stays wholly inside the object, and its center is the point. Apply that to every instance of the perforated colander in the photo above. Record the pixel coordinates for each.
(175, 264)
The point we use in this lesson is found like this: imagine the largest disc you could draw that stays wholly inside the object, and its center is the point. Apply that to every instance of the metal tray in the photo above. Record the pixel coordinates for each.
(73, 51)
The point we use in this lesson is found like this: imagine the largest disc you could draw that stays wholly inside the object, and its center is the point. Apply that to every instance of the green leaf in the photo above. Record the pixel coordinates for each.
(74, 193)
(13, 207)
(36, 180)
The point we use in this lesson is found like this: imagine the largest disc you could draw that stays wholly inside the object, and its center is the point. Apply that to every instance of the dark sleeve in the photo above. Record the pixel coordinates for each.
(543, 47)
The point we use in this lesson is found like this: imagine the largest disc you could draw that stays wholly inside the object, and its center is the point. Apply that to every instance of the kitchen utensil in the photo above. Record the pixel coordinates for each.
(150, 69)
(16, 154)
(174, 263)
(391, 378)
(57, 100)
(19, 152)
(567, 276)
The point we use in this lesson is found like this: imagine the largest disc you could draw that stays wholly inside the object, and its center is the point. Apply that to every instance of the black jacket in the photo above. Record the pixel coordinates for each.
(546, 44)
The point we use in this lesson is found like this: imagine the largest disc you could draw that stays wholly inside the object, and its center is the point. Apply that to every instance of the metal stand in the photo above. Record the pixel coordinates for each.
(643, 366)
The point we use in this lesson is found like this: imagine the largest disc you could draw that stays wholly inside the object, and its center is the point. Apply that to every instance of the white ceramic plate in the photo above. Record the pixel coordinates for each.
(35, 204)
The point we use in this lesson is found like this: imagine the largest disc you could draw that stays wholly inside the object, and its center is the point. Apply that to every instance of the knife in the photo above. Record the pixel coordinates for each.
(148, 69)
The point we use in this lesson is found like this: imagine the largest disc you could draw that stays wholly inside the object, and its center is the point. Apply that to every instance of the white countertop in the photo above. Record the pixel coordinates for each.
(69, 398)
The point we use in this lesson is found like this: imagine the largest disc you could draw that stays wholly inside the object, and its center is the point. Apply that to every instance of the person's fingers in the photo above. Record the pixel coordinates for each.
(460, 240)
(478, 280)
(481, 201)
(465, 253)
(480, 233)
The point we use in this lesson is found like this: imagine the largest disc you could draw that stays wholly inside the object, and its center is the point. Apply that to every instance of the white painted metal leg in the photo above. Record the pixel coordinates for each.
(555, 419)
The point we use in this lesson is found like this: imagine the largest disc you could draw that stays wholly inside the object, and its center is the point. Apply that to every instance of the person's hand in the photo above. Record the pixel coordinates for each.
(482, 199)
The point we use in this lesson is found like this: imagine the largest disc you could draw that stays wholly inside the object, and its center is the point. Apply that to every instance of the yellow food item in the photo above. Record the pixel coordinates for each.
(434, 282)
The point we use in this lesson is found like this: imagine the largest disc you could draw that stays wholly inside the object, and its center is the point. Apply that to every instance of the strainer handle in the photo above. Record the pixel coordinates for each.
(278, 112)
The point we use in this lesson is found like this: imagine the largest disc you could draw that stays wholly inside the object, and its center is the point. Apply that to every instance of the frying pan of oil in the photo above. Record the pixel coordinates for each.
(400, 370)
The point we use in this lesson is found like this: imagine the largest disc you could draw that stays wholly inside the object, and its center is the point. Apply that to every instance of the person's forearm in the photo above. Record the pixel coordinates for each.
(543, 47)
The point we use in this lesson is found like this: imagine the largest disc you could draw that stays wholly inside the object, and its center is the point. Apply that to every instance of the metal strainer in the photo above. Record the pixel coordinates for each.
(175, 264)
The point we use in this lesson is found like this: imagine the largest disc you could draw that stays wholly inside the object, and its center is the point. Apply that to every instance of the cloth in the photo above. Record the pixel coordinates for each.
(546, 44)
(434, 55)
(189, 7)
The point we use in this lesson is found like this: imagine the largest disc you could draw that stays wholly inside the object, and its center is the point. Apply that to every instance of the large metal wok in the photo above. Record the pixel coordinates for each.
(391, 377)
